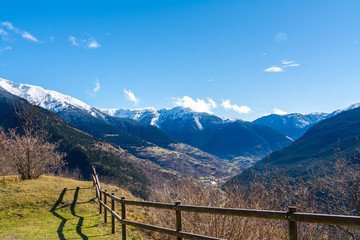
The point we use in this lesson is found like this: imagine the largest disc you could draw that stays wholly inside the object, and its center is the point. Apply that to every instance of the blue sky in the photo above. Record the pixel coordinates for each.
(239, 59)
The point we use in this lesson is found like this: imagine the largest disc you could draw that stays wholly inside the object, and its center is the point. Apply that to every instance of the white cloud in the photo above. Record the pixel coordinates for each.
(29, 36)
(274, 69)
(4, 35)
(281, 37)
(130, 96)
(3, 32)
(198, 105)
(285, 62)
(93, 44)
(278, 111)
(11, 28)
(294, 65)
(5, 49)
(212, 103)
(211, 80)
(97, 86)
(85, 43)
(73, 41)
(239, 109)
(95, 89)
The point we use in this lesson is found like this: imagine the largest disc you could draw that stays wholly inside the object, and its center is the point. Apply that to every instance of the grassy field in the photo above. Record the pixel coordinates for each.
(56, 208)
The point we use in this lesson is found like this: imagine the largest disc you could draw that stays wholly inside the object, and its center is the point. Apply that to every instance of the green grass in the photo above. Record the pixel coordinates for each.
(43, 209)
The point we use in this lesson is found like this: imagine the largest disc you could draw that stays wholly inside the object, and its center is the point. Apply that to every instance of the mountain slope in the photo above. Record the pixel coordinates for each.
(336, 135)
(295, 125)
(89, 119)
(222, 137)
(139, 142)
(82, 149)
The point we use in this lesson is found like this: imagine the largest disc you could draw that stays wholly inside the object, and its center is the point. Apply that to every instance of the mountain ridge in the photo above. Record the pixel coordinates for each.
(141, 140)
(332, 138)
(223, 137)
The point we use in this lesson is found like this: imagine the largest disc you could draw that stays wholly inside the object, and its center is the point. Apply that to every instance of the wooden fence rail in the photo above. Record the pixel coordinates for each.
(291, 215)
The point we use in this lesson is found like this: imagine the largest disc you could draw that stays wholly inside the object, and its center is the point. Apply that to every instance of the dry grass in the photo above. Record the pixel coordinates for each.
(275, 192)
(227, 227)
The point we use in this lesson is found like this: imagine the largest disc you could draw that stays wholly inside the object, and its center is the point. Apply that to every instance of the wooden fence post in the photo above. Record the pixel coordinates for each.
(178, 219)
(97, 180)
(100, 209)
(112, 216)
(123, 216)
(105, 210)
(292, 225)
(93, 179)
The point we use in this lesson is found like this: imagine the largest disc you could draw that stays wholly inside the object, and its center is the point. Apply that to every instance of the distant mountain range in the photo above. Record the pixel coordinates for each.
(139, 140)
(226, 138)
(294, 125)
(336, 136)
(158, 135)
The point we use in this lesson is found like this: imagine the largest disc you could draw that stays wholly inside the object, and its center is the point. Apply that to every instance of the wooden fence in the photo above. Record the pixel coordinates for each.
(291, 216)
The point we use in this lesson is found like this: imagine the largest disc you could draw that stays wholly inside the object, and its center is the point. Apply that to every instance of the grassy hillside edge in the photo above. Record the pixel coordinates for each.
(55, 208)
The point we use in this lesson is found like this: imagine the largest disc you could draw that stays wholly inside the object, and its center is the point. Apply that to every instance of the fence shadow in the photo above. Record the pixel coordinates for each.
(63, 220)
(73, 212)
(81, 219)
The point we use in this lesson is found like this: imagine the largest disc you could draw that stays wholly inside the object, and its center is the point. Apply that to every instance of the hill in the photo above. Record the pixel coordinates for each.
(53, 208)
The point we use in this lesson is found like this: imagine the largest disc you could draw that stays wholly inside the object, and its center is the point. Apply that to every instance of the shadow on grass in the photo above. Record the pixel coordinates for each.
(72, 210)
(81, 219)
(63, 220)
(91, 200)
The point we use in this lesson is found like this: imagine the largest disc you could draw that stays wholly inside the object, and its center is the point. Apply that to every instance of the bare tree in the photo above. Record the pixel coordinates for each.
(5, 166)
(27, 152)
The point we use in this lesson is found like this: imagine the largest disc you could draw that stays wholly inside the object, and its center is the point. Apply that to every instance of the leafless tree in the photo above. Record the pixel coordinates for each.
(27, 150)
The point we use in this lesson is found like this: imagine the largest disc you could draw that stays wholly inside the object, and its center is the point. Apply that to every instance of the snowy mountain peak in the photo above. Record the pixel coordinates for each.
(48, 99)
(157, 117)
(352, 106)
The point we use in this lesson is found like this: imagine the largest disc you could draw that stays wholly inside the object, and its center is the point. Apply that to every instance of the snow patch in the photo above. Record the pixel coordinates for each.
(154, 121)
(198, 123)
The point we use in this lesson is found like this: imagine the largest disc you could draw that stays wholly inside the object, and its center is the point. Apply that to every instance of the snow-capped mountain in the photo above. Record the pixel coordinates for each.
(229, 138)
(87, 118)
(157, 117)
(351, 107)
(333, 138)
(293, 125)
(146, 115)
(50, 100)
